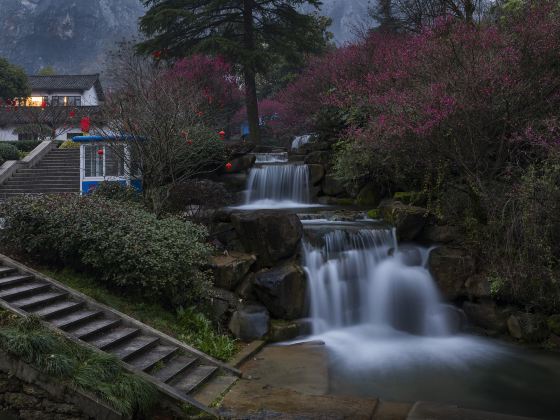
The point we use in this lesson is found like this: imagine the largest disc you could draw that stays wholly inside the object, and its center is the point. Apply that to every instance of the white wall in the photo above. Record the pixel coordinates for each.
(7, 134)
(89, 97)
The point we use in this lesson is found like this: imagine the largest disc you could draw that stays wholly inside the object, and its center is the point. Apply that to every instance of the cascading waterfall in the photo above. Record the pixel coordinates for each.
(279, 157)
(279, 183)
(354, 281)
(300, 141)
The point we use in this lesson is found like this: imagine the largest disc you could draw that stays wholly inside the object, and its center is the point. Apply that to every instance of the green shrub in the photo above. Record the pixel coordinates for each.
(55, 355)
(8, 152)
(117, 191)
(121, 243)
(25, 145)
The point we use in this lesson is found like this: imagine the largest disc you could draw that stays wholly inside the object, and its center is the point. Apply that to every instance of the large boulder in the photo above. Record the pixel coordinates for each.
(368, 196)
(451, 267)
(332, 186)
(487, 315)
(408, 220)
(527, 327)
(230, 268)
(316, 173)
(321, 158)
(242, 163)
(440, 234)
(222, 303)
(234, 182)
(281, 330)
(478, 287)
(249, 322)
(282, 290)
(271, 235)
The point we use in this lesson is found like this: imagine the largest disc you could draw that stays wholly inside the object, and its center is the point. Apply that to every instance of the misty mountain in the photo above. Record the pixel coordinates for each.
(74, 36)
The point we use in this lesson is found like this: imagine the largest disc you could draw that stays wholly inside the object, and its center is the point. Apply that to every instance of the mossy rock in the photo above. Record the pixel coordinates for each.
(554, 324)
(368, 196)
(374, 214)
(409, 197)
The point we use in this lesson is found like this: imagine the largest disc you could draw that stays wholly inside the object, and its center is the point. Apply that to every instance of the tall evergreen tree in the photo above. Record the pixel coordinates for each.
(253, 34)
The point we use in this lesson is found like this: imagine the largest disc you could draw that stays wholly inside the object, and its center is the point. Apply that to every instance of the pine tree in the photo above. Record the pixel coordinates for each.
(253, 34)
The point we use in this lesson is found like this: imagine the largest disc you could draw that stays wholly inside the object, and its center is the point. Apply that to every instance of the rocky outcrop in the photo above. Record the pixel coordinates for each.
(368, 196)
(288, 330)
(282, 290)
(249, 322)
(408, 220)
(527, 327)
(332, 186)
(242, 163)
(478, 287)
(319, 158)
(451, 267)
(229, 269)
(316, 173)
(223, 303)
(270, 235)
(487, 315)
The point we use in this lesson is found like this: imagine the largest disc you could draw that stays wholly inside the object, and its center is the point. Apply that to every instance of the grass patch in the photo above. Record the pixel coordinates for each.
(187, 325)
(55, 355)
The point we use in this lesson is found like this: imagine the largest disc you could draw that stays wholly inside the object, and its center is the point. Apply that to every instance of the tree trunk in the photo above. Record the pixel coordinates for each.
(251, 100)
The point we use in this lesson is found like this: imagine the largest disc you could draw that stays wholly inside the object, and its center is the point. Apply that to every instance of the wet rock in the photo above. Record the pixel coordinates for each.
(282, 290)
(242, 163)
(316, 173)
(408, 220)
(222, 303)
(332, 186)
(451, 267)
(250, 322)
(335, 201)
(229, 269)
(283, 331)
(478, 287)
(408, 254)
(487, 315)
(271, 235)
(321, 158)
(527, 327)
(234, 182)
(223, 232)
(368, 196)
(245, 290)
(456, 318)
(436, 234)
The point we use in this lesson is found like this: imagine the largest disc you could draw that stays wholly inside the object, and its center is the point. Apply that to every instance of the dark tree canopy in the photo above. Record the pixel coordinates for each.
(13, 81)
(254, 34)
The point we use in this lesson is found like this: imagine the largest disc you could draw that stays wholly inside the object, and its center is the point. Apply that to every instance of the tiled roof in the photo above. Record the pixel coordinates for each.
(67, 82)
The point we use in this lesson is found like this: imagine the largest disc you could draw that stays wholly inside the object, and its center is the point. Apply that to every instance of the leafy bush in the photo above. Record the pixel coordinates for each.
(8, 152)
(55, 355)
(121, 243)
(25, 145)
(116, 191)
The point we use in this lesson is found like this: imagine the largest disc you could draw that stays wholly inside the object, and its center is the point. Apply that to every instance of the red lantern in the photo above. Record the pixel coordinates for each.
(72, 114)
(43, 104)
(85, 124)
(189, 142)
(222, 134)
(100, 152)
(157, 54)
(229, 166)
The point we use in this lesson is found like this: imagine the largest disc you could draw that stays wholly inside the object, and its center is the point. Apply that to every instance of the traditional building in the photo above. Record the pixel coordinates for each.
(54, 110)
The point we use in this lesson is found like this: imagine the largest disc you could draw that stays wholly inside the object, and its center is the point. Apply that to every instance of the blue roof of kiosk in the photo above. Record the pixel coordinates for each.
(96, 139)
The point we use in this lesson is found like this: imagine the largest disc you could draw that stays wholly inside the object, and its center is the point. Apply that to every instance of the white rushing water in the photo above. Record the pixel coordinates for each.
(264, 158)
(377, 308)
(300, 141)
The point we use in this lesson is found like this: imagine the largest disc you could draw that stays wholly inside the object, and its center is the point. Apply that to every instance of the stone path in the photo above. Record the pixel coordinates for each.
(180, 372)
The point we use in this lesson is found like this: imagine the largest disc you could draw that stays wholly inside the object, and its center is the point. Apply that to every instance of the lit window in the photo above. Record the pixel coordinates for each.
(35, 100)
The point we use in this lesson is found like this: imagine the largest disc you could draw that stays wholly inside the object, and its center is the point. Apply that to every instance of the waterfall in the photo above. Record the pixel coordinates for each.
(279, 183)
(300, 141)
(353, 280)
(280, 157)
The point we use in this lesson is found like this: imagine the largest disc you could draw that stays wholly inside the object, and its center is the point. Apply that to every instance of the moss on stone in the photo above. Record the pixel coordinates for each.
(554, 324)
(374, 214)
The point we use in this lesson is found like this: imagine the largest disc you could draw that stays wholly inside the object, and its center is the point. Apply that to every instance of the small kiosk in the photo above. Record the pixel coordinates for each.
(106, 159)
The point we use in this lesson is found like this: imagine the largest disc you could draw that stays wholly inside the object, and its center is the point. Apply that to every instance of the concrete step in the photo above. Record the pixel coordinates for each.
(74, 318)
(113, 338)
(190, 380)
(56, 309)
(42, 183)
(22, 290)
(51, 178)
(7, 270)
(13, 280)
(154, 356)
(38, 300)
(133, 347)
(173, 367)
(49, 171)
(39, 189)
(94, 327)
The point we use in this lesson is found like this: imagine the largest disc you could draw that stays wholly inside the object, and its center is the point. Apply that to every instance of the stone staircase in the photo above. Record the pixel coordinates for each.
(180, 372)
(57, 172)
